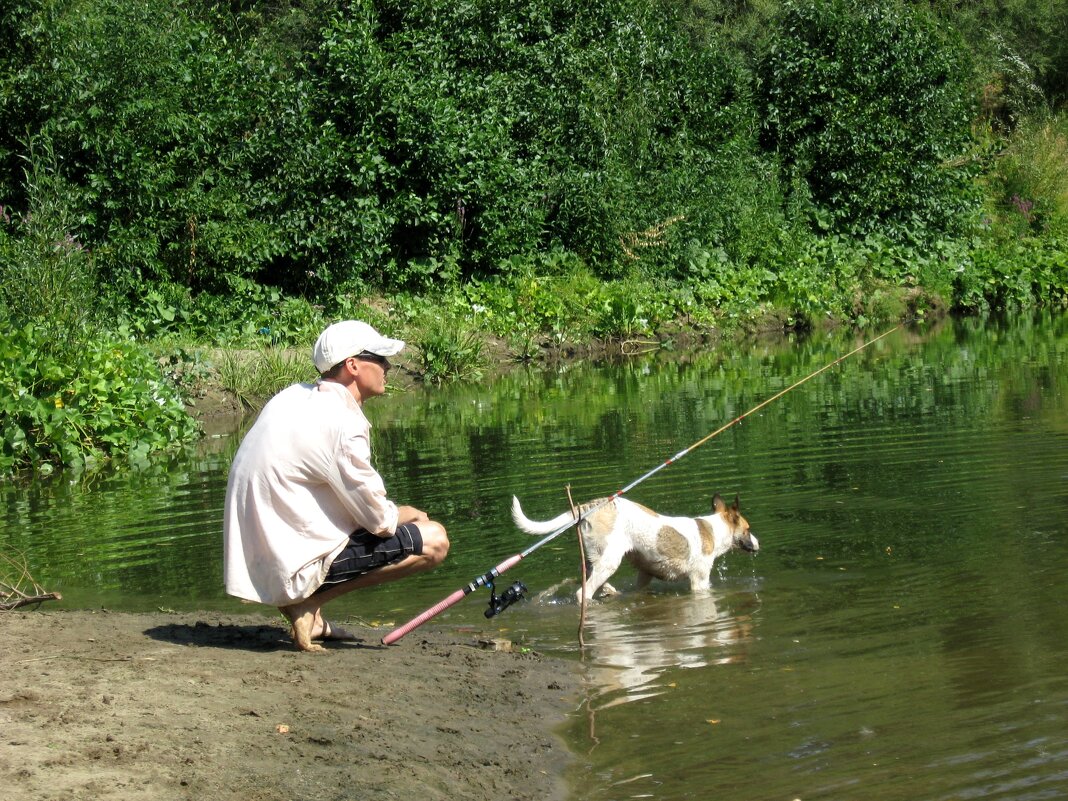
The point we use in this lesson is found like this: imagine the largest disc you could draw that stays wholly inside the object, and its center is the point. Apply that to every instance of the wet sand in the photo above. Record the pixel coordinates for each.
(116, 706)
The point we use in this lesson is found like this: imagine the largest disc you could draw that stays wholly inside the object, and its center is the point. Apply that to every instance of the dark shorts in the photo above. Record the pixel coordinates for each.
(366, 552)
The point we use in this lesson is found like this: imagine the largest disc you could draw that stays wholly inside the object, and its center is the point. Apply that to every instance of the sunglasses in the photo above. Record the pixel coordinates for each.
(381, 361)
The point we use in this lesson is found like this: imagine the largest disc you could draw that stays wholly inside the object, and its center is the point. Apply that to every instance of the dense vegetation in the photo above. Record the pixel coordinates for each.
(181, 174)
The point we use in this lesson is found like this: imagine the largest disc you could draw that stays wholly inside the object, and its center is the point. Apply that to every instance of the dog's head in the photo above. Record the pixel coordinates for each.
(742, 537)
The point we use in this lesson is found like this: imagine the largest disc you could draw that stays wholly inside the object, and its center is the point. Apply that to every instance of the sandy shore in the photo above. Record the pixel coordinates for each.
(114, 707)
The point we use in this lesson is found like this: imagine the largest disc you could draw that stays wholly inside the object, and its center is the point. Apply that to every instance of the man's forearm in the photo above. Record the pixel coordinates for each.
(409, 514)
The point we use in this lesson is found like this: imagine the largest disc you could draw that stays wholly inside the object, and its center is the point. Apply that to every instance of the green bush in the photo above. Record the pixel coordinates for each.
(105, 399)
(391, 144)
(870, 103)
(464, 134)
(231, 172)
(149, 108)
(997, 274)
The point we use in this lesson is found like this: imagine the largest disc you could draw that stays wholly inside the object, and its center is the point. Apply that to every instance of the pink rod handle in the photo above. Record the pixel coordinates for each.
(415, 622)
(511, 561)
(441, 606)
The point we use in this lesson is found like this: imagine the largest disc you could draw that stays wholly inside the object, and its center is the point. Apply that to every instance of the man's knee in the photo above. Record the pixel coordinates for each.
(435, 540)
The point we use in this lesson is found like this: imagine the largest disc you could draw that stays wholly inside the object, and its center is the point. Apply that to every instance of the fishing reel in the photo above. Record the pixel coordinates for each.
(498, 603)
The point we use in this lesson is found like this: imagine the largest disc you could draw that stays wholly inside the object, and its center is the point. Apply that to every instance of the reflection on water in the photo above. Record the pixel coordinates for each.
(630, 645)
(900, 635)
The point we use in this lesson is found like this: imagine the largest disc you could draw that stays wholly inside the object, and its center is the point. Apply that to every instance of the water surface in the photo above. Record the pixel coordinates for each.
(901, 635)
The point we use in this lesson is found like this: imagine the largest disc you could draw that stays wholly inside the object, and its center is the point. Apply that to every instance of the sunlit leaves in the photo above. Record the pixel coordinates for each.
(81, 406)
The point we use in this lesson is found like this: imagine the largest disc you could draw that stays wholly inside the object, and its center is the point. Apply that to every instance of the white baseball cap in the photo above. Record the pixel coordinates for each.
(350, 338)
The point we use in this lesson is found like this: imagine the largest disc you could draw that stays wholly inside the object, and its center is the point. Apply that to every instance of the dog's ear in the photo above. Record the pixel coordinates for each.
(718, 505)
(735, 506)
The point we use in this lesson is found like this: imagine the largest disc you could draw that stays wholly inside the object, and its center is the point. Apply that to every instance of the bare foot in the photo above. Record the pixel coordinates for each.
(303, 627)
(329, 631)
(323, 629)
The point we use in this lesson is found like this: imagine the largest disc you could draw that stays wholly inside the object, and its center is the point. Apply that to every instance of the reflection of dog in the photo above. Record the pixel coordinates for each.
(632, 648)
(668, 548)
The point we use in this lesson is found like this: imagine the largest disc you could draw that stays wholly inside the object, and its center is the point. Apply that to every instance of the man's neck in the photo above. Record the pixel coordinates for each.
(349, 387)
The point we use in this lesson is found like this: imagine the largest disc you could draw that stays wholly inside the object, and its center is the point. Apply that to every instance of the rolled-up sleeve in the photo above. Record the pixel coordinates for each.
(361, 486)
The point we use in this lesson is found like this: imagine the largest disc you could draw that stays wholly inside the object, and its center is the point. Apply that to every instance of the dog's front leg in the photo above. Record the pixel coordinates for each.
(700, 582)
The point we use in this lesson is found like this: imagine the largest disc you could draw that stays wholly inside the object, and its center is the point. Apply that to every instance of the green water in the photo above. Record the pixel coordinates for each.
(902, 634)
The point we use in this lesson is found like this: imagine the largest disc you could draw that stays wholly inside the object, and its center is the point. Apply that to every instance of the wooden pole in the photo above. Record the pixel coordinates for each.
(582, 557)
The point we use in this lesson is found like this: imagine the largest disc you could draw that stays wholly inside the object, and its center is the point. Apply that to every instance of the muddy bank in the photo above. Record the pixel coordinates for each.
(116, 706)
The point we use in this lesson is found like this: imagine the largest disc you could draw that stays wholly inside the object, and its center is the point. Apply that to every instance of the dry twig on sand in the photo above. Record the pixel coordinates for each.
(17, 586)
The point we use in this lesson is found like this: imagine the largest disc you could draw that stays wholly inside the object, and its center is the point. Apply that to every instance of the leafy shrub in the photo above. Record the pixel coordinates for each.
(229, 169)
(397, 144)
(869, 103)
(149, 111)
(105, 399)
(629, 308)
(998, 274)
(1049, 272)
(250, 315)
(466, 131)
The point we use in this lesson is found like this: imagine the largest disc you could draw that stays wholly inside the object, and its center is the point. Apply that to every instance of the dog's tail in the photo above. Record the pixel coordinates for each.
(524, 523)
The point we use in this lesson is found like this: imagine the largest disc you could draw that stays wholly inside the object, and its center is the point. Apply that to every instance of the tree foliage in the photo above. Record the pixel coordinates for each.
(317, 144)
(382, 142)
(869, 103)
(1021, 47)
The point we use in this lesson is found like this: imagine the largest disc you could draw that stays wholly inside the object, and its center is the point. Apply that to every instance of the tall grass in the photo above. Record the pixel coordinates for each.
(448, 354)
(47, 276)
(1033, 175)
(254, 376)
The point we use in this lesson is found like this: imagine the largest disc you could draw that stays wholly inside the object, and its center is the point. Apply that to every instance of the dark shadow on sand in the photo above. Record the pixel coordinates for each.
(239, 637)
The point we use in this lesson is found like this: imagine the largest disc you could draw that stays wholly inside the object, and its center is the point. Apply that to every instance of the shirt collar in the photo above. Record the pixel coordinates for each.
(333, 386)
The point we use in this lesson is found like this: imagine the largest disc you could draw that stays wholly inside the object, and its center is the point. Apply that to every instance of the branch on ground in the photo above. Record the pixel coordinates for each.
(17, 587)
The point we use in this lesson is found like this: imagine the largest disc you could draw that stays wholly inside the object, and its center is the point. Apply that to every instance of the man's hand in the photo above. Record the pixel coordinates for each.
(409, 514)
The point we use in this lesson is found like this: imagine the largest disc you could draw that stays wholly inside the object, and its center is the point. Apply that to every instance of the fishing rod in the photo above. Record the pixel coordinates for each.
(499, 603)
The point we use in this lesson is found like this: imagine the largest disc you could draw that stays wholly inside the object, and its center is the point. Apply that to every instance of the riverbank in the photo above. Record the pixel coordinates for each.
(117, 707)
(219, 403)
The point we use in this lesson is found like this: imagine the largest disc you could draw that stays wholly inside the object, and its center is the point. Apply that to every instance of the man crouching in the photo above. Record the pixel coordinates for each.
(307, 518)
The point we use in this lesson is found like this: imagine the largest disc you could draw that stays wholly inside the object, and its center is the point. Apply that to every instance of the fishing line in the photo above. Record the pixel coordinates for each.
(516, 590)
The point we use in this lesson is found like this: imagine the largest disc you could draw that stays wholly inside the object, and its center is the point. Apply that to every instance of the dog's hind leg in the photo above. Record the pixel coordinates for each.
(607, 564)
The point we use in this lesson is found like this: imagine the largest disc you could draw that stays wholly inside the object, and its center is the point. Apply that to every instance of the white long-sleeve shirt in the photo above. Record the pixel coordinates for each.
(300, 483)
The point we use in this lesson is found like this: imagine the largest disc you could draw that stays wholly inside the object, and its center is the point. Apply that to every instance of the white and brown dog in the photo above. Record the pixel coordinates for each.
(667, 548)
